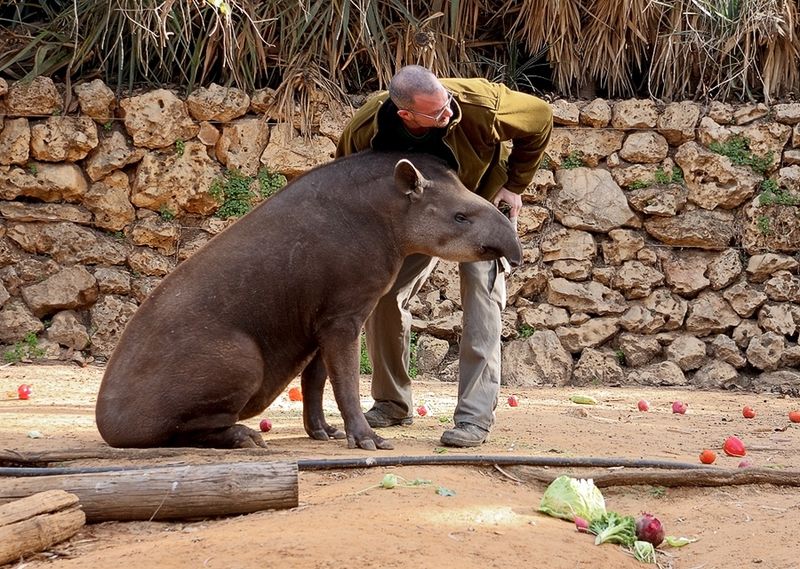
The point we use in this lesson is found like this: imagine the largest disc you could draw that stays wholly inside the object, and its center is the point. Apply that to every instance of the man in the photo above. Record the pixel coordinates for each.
(468, 123)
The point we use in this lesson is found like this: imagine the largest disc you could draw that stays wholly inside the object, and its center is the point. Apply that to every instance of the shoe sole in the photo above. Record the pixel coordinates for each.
(393, 423)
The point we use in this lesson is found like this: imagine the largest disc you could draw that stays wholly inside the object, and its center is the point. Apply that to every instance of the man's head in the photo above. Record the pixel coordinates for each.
(422, 101)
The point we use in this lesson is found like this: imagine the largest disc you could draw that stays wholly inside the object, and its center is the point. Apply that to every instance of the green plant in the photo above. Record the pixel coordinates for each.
(661, 177)
(165, 213)
(234, 194)
(658, 492)
(364, 366)
(737, 149)
(28, 348)
(413, 370)
(638, 185)
(269, 182)
(677, 175)
(525, 331)
(573, 160)
(620, 355)
(33, 169)
(773, 194)
(763, 225)
(180, 147)
(108, 125)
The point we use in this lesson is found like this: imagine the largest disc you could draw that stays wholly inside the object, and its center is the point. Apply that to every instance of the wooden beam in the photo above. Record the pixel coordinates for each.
(36, 522)
(171, 492)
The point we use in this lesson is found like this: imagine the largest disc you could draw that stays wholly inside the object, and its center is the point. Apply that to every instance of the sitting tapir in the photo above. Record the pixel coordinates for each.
(284, 290)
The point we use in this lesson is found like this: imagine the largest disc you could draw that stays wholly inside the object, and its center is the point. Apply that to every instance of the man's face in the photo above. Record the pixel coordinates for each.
(430, 110)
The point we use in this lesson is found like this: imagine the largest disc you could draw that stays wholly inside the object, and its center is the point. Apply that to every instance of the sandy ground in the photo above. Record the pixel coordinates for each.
(345, 520)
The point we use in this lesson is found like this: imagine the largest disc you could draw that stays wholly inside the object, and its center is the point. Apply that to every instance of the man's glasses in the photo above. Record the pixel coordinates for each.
(438, 116)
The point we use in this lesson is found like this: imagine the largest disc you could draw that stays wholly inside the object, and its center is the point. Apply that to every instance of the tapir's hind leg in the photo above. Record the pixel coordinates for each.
(312, 381)
(237, 436)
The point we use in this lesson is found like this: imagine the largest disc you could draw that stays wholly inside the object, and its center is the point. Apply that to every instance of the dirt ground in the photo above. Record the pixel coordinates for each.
(345, 520)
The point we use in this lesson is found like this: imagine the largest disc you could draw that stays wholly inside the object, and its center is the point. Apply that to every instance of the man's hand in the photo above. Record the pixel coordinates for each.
(513, 200)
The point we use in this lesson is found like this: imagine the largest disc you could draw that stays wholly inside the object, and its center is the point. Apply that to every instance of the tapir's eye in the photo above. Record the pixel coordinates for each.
(461, 218)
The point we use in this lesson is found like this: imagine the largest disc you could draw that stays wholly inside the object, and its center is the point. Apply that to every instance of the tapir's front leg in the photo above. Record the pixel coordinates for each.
(340, 356)
(313, 383)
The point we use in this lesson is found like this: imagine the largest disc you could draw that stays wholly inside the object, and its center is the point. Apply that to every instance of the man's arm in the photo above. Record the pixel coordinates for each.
(527, 122)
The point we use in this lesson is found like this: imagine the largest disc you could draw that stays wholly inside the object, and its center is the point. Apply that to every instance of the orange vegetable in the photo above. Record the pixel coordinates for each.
(295, 394)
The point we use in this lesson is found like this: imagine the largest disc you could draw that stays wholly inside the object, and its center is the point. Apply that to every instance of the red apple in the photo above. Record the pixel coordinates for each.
(513, 401)
(24, 391)
(643, 405)
(422, 410)
(265, 425)
(748, 412)
(679, 407)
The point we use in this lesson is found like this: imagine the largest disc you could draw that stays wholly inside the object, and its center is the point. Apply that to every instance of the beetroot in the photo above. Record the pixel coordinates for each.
(649, 528)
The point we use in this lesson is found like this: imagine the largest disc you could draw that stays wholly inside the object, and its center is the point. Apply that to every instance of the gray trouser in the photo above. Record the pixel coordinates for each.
(388, 334)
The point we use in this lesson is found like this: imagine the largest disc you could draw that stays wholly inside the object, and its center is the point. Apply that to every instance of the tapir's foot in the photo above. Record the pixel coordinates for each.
(368, 441)
(235, 436)
(325, 432)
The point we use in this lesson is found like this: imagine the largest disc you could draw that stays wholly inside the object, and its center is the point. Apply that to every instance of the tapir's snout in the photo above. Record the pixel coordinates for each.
(508, 244)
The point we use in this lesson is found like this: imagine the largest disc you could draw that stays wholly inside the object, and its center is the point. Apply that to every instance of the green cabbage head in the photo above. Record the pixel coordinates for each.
(568, 497)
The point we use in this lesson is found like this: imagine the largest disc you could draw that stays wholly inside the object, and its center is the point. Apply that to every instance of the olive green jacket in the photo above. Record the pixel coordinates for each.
(486, 116)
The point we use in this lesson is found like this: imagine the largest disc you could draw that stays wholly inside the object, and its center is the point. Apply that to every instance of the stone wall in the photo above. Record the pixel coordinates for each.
(650, 257)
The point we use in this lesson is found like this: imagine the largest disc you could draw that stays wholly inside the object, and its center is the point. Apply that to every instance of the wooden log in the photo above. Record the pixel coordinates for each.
(10, 457)
(169, 493)
(672, 478)
(36, 522)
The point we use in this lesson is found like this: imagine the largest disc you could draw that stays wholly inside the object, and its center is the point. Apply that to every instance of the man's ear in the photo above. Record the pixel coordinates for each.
(404, 114)
(409, 180)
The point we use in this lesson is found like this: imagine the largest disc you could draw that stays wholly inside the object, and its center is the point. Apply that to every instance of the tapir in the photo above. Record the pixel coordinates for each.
(284, 291)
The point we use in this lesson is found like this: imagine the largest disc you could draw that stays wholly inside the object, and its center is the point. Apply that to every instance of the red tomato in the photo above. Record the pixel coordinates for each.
(748, 412)
(733, 446)
(295, 394)
(708, 456)
(513, 401)
(679, 407)
(422, 410)
(643, 405)
(24, 391)
(794, 416)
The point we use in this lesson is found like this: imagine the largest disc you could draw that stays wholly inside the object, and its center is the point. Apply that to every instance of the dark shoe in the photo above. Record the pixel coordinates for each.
(377, 418)
(465, 435)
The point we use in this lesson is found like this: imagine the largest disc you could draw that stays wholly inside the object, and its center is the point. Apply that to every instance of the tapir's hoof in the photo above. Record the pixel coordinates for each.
(239, 436)
(326, 433)
(373, 442)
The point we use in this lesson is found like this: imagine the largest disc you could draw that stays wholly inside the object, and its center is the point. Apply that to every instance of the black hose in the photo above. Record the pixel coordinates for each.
(369, 462)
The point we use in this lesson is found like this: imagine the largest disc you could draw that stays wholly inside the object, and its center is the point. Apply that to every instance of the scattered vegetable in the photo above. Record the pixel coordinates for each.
(265, 425)
(513, 401)
(673, 541)
(442, 491)
(643, 405)
(24, 391)
(794, 416)
(649, 529)
(748, 412)
(581, 525)
(568, 497)
(295, 394)
(422, 410)
(679, 407)
(708, 456)
(389, 481)
(733, 446)
(613, 528)
(745, 464)
(644, 551)
(583, 399)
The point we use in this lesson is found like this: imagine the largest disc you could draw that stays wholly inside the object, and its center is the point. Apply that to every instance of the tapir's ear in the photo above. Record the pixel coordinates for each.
(409, 180)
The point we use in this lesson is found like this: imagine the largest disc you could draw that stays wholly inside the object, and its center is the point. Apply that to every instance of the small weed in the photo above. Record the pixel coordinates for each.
(638, 185)
(27, 349)
(413, 370)
(364, 366)
(546, 163)
(658, 492)
(737, 149)
(620, 355)
(180, 147)
(108, 125)
(234, 194)
(33, 169)
(573, 160)
(165, 213)
(120, 235)
(763, 225)
(525, 331)
(677, 175)
(269, 182)
(772, 194)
